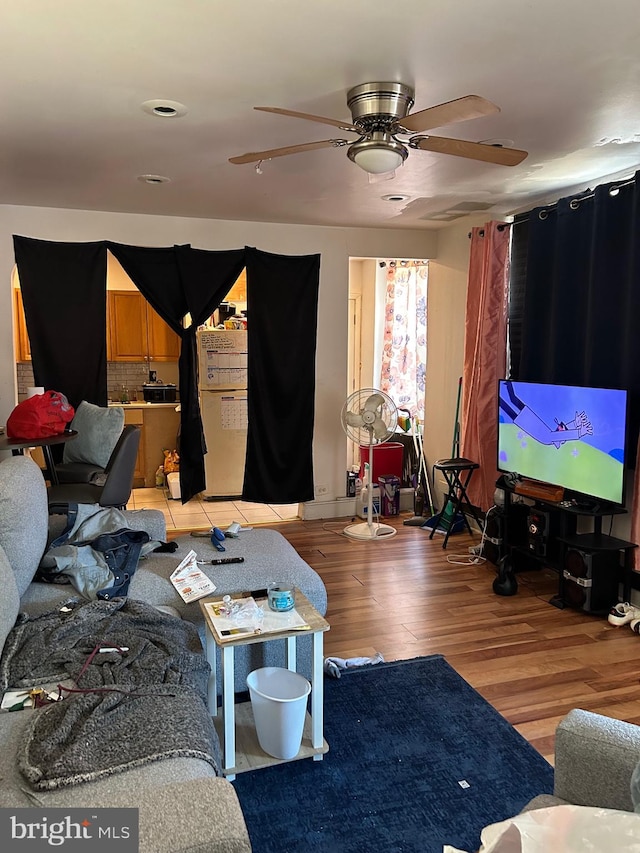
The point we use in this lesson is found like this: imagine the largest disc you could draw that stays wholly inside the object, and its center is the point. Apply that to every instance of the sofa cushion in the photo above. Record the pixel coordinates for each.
(9, 599)
(98, 429)
(23, 517)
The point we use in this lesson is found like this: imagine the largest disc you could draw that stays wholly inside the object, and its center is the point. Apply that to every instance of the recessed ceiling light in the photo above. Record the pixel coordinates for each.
(164, 108)
(153, 179)
(396, 197)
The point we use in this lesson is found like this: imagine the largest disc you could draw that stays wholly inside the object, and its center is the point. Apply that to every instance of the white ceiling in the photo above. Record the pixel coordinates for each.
(74, 74)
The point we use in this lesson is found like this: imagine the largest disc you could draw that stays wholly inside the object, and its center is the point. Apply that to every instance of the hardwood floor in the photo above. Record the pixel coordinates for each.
(531, 661)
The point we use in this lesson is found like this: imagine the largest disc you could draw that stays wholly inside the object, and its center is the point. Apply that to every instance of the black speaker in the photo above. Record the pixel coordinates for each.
(542, 530)
(590, 580)
(493, 547)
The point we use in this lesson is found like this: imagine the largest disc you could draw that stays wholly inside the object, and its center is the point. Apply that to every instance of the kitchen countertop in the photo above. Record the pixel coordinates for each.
(140, 404)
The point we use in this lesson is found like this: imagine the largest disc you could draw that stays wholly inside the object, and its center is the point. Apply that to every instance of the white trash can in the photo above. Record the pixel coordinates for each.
(279, 703)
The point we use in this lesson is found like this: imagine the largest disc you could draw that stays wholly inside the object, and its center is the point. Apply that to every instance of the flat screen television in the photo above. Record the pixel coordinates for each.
(566, 435)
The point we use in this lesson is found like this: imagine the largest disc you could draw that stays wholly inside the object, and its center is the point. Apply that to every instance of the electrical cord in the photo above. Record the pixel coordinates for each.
(475, 557)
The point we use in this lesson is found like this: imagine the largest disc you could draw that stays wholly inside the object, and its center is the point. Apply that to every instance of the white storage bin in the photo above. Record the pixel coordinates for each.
(173, 484)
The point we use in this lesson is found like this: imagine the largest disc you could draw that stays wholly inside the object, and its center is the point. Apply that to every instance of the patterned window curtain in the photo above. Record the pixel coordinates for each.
(404, 345)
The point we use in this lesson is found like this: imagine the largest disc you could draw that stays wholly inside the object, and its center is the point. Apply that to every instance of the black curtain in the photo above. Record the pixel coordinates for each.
(581, 299)
(64, 293)
(282, 302)
(176, 281)
(65, 305)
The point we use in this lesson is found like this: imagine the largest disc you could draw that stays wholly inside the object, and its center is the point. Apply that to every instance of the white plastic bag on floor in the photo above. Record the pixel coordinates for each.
(562, 829)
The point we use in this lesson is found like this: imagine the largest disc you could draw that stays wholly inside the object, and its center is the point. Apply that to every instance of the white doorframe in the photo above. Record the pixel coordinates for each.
(354, 362)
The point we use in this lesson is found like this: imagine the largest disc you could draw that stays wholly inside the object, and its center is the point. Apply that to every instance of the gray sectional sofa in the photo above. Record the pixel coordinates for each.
(183, 805)
(597, 763)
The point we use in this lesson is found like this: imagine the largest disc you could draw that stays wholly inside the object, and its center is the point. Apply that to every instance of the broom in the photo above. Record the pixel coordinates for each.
(448, 520)
(417, 520)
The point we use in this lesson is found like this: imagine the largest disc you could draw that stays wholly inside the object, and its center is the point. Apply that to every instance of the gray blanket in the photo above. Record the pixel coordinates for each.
(143, 705)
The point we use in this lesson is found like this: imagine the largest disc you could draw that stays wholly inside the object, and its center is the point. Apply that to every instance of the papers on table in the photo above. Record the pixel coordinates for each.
(252, 620)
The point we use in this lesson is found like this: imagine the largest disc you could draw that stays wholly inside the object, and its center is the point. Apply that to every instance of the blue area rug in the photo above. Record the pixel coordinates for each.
(417, 759)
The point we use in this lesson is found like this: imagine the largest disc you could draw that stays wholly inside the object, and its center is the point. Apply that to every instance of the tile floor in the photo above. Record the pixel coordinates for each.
(198, 513)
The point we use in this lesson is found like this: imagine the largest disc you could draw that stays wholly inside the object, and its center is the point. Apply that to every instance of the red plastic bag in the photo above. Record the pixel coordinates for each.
(40, 416)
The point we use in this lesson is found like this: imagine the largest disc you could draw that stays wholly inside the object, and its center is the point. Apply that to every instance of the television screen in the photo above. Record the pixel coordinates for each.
(564, 435)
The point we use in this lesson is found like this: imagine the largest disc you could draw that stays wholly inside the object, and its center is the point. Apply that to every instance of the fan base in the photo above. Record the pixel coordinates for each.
(370, 532)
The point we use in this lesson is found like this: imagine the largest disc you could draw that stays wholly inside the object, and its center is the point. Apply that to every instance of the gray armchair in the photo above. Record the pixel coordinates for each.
(118, 477)
(595, 759)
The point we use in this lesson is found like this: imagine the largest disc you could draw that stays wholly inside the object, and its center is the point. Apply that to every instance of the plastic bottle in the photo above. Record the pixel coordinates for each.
(160, 477)
(363, 502)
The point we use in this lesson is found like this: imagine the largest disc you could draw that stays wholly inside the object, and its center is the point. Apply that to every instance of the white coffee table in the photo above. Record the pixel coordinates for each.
(235, 725)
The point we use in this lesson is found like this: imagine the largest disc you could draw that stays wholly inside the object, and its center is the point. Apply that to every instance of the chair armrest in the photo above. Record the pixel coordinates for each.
(595, 757)
(200, 816)
(190, 816)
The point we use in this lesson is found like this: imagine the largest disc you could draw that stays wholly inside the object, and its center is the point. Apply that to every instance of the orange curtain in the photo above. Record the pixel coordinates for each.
(485, 347)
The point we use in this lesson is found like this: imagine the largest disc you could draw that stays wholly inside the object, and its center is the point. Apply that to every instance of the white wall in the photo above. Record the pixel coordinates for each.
(335, 245)
(446, 308)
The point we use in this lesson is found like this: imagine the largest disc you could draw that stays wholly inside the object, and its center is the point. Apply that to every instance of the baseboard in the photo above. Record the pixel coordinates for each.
(336, 508)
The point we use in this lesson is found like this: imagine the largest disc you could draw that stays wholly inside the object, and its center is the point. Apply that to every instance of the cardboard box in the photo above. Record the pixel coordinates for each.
(389, 495)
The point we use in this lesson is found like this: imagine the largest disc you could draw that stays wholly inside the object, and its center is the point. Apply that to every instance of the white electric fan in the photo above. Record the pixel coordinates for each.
(369, 417)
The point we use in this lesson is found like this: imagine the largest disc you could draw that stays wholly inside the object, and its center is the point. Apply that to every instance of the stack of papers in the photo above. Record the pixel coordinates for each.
(231, 628)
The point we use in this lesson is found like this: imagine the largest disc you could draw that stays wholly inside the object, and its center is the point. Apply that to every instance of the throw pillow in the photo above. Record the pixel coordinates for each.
(24, 517)
(98, 429)
(9, 600)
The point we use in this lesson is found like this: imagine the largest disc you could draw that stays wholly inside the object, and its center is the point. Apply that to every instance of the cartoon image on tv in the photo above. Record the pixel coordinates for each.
(525, 418)
(564, 435)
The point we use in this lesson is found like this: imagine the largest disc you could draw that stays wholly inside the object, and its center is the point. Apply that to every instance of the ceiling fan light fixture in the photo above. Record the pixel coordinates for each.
(378, 155)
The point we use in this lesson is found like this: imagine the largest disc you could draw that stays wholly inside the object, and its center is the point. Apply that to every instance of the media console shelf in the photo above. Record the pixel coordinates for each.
(590, 566)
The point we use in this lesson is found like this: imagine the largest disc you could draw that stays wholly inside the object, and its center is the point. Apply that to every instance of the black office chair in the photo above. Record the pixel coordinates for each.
(118, 482)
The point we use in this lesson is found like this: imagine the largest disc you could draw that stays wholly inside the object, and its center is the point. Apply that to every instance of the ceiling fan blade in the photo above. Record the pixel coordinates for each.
(471, 106)
(254, 156)
(343, 125)
(471, 150)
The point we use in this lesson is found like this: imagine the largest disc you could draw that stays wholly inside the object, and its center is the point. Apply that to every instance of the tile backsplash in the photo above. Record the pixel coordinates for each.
(131, 375)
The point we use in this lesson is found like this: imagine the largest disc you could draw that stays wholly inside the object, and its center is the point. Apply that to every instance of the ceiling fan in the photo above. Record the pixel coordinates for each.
(380, 114)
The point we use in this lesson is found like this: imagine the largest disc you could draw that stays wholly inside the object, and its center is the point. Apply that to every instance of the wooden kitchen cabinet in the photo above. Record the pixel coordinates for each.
(159, 424)
(164, 344)
(136, 331)
(135, 416)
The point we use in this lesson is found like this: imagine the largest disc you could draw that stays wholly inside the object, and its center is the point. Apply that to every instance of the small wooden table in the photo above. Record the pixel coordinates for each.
(249, 755)
(17, 446)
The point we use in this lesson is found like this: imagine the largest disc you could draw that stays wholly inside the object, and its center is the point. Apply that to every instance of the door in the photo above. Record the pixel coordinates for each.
(127, 325)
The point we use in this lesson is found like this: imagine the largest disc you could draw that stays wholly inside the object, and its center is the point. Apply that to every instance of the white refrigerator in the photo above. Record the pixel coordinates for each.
(222, 366)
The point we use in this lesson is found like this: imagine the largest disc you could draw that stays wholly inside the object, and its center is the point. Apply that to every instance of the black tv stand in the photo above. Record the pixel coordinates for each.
(559, 543)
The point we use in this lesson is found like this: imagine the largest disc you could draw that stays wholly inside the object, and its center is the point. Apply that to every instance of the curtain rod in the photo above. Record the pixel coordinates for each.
(501, 227)
(574, 204)
(413, 263)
